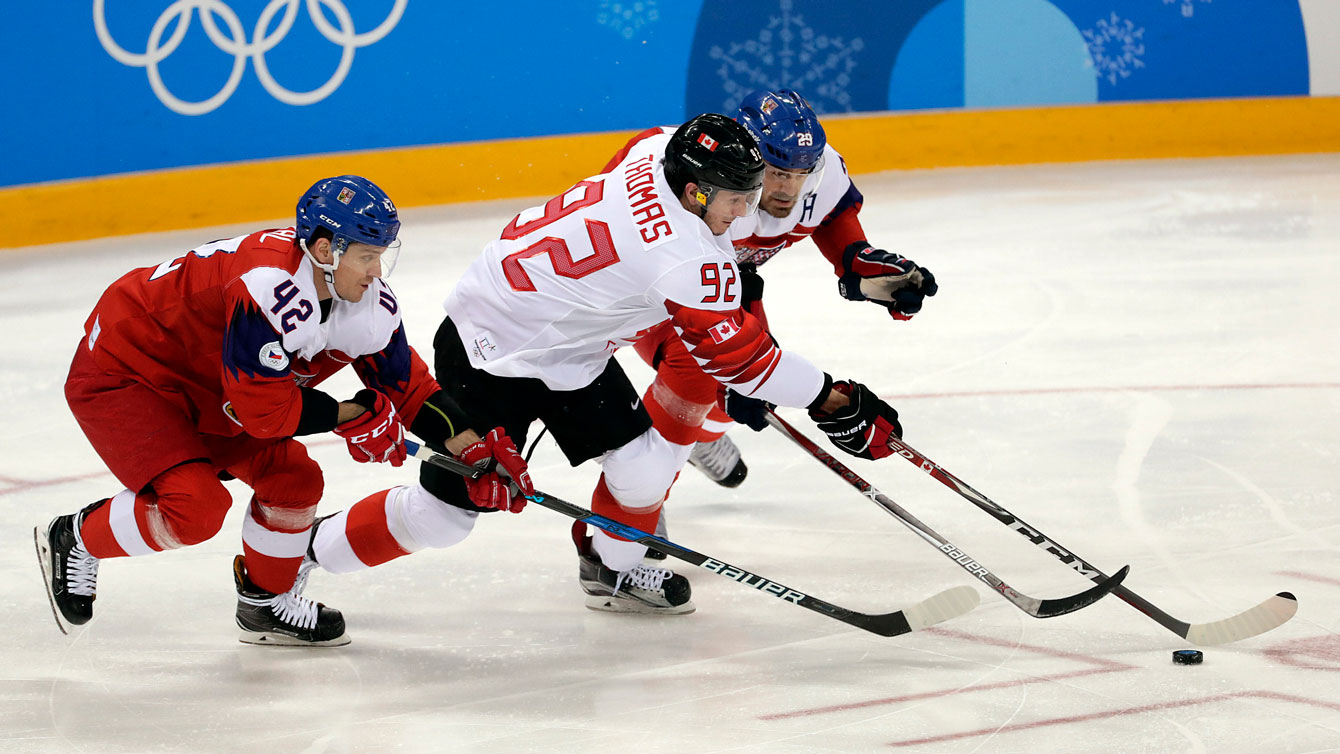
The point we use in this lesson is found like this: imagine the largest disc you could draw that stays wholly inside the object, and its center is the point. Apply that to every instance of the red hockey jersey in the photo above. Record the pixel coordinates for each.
(228, 332)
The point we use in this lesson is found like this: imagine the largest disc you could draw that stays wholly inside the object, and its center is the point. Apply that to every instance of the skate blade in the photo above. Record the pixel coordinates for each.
(607, 604)
(268, 639)
(43, 545)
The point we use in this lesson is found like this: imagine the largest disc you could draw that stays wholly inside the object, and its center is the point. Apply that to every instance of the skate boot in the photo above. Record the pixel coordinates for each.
(720, 461)
(643, 589)
(288, 619)
(70, 573)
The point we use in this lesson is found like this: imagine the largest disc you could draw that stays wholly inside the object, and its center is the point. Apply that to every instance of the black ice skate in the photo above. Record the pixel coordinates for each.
(643, 589)
(720, 461)
(70, 573)
(288, 619)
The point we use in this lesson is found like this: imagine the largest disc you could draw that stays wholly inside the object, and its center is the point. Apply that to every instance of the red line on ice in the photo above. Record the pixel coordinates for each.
(23, 485)
(1310, 577)
(1103, 666)
(1108, 714)
(1119, 389)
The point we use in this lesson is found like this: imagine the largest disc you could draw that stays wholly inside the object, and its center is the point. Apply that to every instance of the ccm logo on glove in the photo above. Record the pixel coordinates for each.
(376, 435)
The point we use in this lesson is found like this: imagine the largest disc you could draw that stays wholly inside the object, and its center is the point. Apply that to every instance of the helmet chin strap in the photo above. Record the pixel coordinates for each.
(327, 270)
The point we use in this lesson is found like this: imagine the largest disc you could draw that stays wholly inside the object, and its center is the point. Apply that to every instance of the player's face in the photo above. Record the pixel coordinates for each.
(723, 206)
(360, 264)
(781, 189)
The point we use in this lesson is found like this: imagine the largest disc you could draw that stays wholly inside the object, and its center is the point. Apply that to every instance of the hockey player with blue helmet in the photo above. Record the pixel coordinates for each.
(806, 193)
(207, 367)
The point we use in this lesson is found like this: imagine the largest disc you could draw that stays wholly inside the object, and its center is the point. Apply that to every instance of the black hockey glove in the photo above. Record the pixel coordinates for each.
(862, 427)
(888, 279)
(751, 412)
(751, 284)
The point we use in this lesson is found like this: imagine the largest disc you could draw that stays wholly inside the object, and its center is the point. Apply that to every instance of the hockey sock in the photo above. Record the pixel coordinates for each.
(274, 542)
(615, 552)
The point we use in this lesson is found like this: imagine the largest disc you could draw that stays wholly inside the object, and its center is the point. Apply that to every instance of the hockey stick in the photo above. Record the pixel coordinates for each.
(941, 607)
(1031, 605)
(1268, 615)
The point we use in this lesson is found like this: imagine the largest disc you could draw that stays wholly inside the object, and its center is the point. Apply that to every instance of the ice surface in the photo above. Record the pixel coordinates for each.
(1139, 358)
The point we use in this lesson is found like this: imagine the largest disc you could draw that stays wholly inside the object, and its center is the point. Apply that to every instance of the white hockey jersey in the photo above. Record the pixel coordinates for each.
(759, 236)
(595, 268)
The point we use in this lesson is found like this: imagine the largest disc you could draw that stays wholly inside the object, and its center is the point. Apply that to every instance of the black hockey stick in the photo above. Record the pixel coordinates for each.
(1031, 605)
(1270, 614)
(950, 603)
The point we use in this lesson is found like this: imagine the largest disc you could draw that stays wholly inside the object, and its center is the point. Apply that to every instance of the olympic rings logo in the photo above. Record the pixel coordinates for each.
(235, 43)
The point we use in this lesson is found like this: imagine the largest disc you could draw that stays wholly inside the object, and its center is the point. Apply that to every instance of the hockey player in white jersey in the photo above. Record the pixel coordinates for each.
(806, 193)
(532, 327)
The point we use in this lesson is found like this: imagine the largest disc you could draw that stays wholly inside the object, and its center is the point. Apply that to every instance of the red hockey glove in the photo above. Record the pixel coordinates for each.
(864, 426)
(885, 278)
(498, 456)
(375, 435)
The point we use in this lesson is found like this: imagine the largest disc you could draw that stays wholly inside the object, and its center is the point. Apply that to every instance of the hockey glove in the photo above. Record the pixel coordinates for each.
(376, 435)
(751, 285)
(864, 426)
(885, 278)
(751, 412)
(496, 455)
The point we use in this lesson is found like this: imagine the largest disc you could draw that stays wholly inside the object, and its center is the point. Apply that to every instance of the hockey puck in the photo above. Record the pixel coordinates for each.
(1188, 657)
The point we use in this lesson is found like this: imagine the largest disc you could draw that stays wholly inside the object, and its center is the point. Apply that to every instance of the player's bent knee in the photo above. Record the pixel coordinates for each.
(189, 505)
(288, 477)
(421, 520)
(640, 473)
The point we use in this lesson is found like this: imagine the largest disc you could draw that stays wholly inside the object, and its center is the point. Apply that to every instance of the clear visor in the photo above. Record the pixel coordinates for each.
(792, 181)
(390, 257)
(739, 203)
(366, 255)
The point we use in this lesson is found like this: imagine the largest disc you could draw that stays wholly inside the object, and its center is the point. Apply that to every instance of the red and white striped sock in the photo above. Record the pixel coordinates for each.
(274, 545)
(387, 525)
(121, 527)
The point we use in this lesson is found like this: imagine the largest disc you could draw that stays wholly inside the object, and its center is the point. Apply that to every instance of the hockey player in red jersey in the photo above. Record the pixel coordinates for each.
(206, 366)
(806, 193)
(533, 324)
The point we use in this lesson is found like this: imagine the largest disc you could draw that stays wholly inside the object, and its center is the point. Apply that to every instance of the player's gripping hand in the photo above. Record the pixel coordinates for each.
(751, 412)
(497, 455)
(864, 426)
(885, 278)
(376, 435)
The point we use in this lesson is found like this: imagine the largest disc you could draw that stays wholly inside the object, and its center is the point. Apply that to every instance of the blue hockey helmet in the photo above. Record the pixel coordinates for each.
(785, 127)
(352, 208)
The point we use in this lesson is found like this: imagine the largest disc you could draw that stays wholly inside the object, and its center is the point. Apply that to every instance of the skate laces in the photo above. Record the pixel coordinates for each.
(718, 456)
(81, 572)
(81, 568)
(291, 607)
(643, 577)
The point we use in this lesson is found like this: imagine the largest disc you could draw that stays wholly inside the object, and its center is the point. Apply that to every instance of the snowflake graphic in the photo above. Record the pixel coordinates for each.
(625, 18)
(787, 52)
(1188, 6)
(1115, 46)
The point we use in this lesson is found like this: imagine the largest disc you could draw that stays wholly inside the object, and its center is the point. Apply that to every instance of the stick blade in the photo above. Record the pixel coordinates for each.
(1271, 614)
(938, 608)
(1063, 605)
